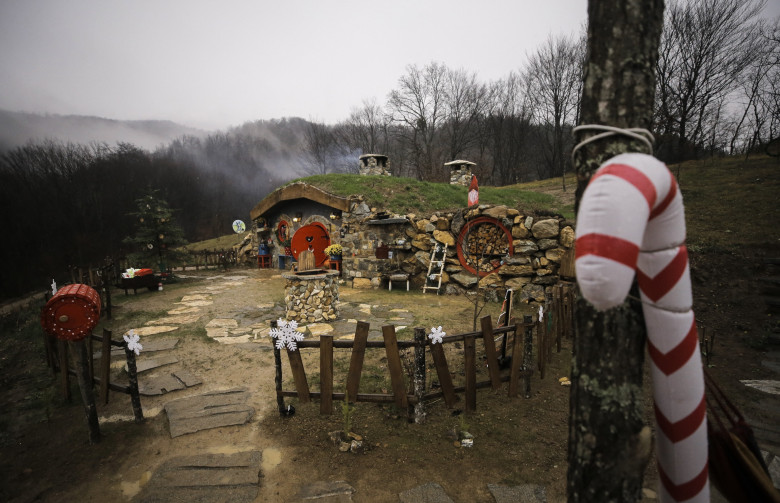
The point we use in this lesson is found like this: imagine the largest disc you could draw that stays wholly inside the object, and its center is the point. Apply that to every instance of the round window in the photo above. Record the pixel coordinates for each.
(482, 245)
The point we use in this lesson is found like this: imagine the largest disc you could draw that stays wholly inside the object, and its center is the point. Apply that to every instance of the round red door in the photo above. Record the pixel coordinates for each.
(313, 237)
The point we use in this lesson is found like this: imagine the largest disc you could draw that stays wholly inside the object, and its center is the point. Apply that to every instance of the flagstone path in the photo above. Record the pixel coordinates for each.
(236, 477)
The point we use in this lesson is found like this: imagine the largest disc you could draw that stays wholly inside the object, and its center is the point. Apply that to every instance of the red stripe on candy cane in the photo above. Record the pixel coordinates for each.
(686, 490)
(632, 176)
(671, 361)
(660, 284)
(610, 247)
(685, 427)
(667, 200)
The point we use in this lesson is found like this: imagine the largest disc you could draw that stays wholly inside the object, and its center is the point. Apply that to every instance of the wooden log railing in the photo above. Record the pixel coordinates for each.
(521, 367)
(57, 351)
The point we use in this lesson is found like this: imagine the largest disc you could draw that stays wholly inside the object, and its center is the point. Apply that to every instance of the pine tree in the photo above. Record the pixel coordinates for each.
(157, 234)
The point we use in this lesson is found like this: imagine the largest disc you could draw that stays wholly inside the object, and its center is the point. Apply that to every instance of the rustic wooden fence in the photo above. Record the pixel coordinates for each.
(57, 358)
(209, 259)
(410, 392)
(521, 337)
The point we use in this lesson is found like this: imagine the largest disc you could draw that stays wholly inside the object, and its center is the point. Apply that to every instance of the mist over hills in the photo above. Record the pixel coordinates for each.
(20, 128)
(82, 177)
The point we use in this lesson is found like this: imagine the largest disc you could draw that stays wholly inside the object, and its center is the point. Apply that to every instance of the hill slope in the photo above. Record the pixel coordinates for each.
(19, 128)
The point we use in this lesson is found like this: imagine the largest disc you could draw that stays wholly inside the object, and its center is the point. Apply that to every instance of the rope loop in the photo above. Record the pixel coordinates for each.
(639, 134)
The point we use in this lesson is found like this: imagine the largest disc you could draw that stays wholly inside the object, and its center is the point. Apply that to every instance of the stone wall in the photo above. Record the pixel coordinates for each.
(309, 299)
(529, 265)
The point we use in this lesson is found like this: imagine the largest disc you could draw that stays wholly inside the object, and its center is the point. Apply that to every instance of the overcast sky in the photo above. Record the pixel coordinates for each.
(213, 64)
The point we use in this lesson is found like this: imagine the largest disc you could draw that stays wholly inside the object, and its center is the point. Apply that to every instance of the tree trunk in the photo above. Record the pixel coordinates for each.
(609, 444)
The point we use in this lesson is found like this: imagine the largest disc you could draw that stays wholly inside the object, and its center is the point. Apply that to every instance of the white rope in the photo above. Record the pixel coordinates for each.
(639, 134)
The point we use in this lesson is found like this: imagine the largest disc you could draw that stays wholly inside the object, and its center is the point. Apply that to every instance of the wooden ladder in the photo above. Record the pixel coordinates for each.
(435, 268)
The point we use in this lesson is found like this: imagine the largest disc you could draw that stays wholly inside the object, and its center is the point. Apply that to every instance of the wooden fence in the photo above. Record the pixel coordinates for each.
(57, 359)
(207, 259)
(521, 337)
(411, 393)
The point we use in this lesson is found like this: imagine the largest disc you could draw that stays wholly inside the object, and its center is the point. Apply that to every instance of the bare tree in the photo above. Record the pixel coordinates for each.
(508, 128)
(705, 48)
(554, 76)
(322, 153)
(467, 101)
(366, 129)
(418, 105)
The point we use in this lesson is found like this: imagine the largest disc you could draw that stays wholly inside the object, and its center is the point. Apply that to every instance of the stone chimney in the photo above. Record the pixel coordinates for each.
(460, 172)
(374, 164)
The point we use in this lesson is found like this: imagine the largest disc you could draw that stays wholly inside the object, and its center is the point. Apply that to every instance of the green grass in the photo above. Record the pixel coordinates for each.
(220, 243)
(407, 195)
(730, 203)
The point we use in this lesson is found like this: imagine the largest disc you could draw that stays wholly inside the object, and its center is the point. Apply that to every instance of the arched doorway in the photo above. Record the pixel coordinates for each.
(313, 237)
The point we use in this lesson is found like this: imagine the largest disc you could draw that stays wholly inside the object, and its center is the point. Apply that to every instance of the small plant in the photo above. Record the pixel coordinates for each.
(462, 424)
(334, 250)
(346, 414)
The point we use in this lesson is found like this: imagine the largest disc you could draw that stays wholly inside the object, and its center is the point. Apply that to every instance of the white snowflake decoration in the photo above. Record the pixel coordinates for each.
(286, 334)
(53, 287)
(432, 277)
(132, 339)
(436, 335)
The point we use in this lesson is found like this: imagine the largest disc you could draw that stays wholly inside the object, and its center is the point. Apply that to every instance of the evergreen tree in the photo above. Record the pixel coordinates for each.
(157, 236)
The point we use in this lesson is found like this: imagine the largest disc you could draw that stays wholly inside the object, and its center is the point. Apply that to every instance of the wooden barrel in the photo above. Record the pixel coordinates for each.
(72, 312)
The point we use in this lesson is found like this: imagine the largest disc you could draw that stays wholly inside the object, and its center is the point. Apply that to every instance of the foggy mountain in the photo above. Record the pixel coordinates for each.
(19, 128)
(82, 176)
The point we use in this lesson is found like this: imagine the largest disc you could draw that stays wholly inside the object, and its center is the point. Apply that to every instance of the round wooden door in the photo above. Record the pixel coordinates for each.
(313, 237)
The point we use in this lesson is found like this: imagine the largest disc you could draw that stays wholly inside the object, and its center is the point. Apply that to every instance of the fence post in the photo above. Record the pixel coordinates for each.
(107, 288)
(299, 375)
(326, 374)
(105, 365)
(394, 366)
(85, 385)
(132, 379)
(443, 371)
(559, 323)
(514, 372)
(490, 352)
(540, 341)
(283, 410)
(470, 370)
(356, 360)
(62, 352)
(419, 374)
(528, 349)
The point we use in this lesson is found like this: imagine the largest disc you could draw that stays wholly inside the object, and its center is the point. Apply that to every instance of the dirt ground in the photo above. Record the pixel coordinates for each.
(45, 455)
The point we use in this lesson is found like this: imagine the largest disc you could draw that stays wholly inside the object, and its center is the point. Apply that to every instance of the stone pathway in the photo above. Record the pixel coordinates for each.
(153, 381)
(208, 410)
(205, 478)
(215, 477)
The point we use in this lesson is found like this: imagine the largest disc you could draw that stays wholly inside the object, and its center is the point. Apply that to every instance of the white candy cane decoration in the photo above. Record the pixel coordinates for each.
(631, 219)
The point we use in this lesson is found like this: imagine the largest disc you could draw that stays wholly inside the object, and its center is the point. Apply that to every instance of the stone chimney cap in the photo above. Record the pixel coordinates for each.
(460, 163)
(371, 155)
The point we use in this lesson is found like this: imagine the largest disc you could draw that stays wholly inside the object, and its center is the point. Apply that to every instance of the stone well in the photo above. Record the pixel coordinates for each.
(312, 296)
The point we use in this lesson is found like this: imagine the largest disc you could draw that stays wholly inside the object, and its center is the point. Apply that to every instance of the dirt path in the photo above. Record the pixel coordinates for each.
(52, 462)
(221, 323)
